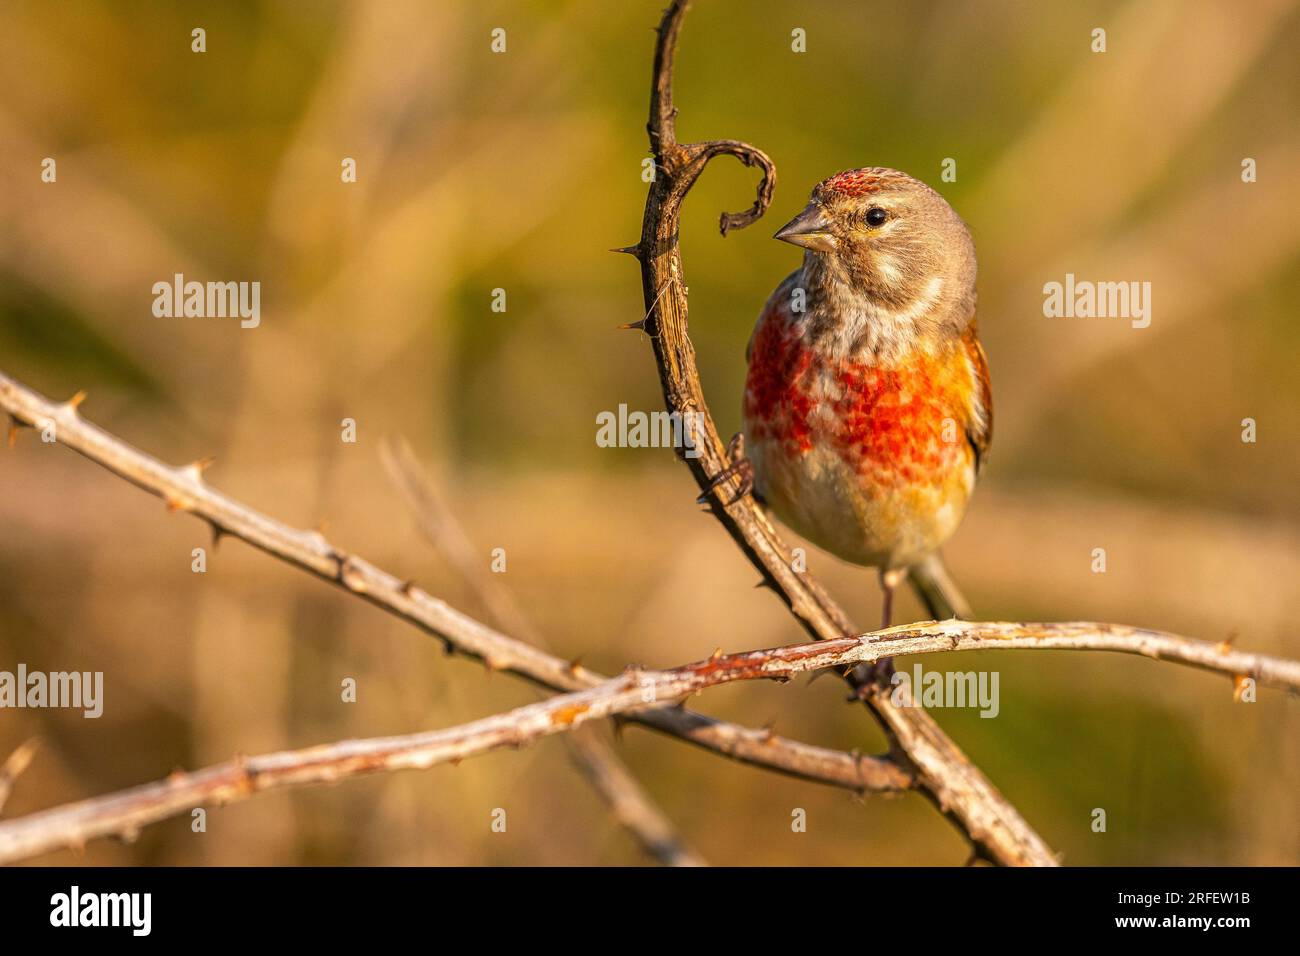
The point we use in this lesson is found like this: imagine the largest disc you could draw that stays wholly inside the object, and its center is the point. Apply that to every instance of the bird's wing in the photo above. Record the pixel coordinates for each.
(776, 307)
(979, 419)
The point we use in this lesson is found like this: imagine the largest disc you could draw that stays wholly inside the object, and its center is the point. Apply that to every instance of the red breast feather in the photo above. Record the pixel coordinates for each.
(873, 463)
(899, 424)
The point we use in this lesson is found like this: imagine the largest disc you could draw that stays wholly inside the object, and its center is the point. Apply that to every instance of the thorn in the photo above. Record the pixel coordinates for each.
(1225, 645)
(769, 732)
(216, 534)
(575, 665)
(408, 586)
(716, 654)
(634, 250)
(619, 723)
(14, 425)
(75, 401)
(490, 665)
(195, 469)
(639, 326)
(175, 504)
(322, 526)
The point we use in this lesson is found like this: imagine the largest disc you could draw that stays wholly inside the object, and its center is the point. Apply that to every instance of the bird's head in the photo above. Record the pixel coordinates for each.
(880, 234)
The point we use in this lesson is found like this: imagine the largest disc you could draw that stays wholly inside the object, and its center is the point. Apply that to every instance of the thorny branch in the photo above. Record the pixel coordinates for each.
(183, 489)
(943, 773)
(921, 755)
(124, 813)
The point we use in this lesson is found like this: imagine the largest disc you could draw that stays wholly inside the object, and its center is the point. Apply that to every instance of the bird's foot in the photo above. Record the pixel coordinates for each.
(882, 670)
(867, 677)
(740, 467)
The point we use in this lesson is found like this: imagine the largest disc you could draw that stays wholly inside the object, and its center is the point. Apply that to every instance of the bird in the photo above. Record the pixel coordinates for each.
(868, 410)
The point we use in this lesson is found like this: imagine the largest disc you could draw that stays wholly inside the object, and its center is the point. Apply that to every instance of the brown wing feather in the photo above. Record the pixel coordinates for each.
(775, 308)
(979, 423)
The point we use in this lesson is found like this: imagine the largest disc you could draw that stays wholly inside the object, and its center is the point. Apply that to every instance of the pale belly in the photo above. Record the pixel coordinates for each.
(872, 519)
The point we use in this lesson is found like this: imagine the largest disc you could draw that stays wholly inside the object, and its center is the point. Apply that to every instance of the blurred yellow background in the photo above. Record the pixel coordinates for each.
(517, 171)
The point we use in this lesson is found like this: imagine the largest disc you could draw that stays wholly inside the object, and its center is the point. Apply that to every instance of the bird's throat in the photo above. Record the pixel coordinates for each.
(845, 321)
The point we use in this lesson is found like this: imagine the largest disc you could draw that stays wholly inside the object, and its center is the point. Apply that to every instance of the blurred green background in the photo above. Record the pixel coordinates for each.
(517, 171)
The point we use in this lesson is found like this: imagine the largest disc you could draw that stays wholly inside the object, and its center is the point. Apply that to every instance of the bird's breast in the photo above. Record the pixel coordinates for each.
(871, 461)
(899, 423)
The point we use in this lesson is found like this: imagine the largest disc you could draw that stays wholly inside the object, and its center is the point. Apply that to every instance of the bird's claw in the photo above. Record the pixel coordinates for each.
(740, 467)
(867, 677)
(882, 670)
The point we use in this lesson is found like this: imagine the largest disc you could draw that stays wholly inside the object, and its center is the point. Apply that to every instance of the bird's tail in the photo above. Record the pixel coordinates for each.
(937, 590)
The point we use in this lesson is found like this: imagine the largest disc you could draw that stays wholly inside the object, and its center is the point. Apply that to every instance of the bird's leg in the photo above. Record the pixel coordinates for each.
(740, 466)
(882, 670)
(890, 578)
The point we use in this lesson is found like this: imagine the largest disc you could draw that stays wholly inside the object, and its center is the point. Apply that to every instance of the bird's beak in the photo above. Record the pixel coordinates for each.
(810, 229)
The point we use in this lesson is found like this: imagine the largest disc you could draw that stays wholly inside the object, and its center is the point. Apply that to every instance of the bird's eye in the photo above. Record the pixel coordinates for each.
(876, 216)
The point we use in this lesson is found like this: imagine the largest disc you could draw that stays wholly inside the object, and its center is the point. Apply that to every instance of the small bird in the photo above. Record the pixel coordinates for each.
(867, 410)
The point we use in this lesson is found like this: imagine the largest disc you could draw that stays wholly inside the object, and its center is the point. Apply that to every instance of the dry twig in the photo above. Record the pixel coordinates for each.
(943, 772)
(124, 813)
(183, 489)
(922, 755)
